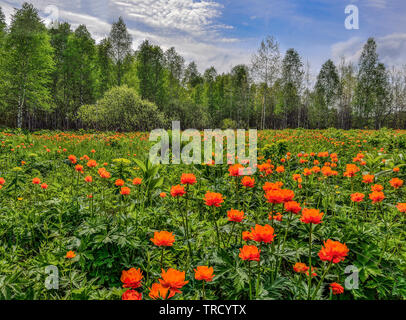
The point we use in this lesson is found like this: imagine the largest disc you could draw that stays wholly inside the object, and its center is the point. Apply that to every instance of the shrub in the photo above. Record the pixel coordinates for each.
(121, 109)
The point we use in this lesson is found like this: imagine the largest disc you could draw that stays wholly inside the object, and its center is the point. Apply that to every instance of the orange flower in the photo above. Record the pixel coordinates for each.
(131, 295)
(173, 280)
(119, 183)
(300, 267)
(72, 159)
(163, 239)
(188, 178)
(351, 170)
(336, 288)
(204, 273)
(250, 253)
(162, 195)
(125, 191)
(248, 182)
(44, 186)
(213, 199)
(376, 196)
(178, 191)
(131, 278)
(368, 178)
(268, 186)
(396, 183)
(92, 163)
(89, 179)
(280, 169)
(274, 196)
(2, 181)
(103, 173)
(292, 206)
(137, 181)
(36, 181)
(236, 170)
(70, 254)
(158, 291)
(333, 251)
(246, 235)
(377, 188)
(396, 169)
(401, 207)
(235, 215)
(357, 197)
(311, 216)
(262, 233)
(277, 217)
(79, 168)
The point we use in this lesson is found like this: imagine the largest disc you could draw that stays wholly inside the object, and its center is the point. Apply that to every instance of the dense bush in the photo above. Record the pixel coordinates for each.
(122, 109)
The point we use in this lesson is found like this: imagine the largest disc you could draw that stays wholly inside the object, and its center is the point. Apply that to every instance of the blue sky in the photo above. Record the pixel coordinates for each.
(224, 33)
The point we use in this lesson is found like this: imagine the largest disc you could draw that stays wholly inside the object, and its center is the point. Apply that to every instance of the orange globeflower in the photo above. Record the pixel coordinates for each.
(79, 168)
(36, 181)
(70, 254)
(131, 295)
(396, 169)
(250, 253)
(178, 191)
(287, 195)
(2, 181)
(44, 186)
(333, 251)
(262, 233)
(72, 159)
(248, 182)
(292, 206)
(235, 215)
(376, 196)
(158, 291)
(268, 186)
(246, 235)
(213, 199)
(396, 183)
(274, 196)
(92, 163)
(137, 181)
(236, 170)
(300, 267)
(351, 170)
(163, 239)
(336, 288)
(89, 179)
(131, 278)
(103, 173)
(280, 169)
(125, 191)
(188, 178)
(401, 207)
(173, 280)
(311, 216)
(119, 183)
(377, 188)
(162, 195)
(368, 178)
(357, 197)
(204, 273)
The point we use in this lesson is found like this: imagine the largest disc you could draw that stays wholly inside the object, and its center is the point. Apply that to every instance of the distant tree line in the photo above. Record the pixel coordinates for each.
(58, 78)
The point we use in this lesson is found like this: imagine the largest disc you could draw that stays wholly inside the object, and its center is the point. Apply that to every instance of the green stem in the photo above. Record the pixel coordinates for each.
(309, 281)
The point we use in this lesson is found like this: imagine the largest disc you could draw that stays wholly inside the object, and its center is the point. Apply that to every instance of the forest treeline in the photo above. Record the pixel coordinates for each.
(54, 77)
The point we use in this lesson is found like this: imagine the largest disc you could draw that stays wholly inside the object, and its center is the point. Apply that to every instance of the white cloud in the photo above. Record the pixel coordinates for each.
(391, 49)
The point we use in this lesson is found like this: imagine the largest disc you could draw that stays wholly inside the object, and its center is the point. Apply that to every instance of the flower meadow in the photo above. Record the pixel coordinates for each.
(323, 218)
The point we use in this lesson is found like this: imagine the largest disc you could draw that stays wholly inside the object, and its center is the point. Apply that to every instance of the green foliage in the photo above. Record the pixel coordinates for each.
(122, 109)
